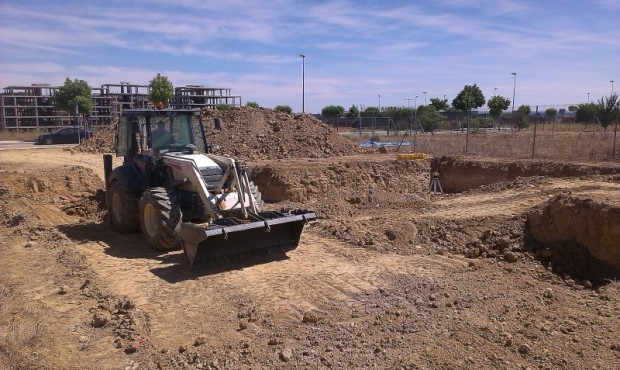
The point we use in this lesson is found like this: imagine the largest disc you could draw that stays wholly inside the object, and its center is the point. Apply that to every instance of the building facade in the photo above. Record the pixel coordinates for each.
(32, 107)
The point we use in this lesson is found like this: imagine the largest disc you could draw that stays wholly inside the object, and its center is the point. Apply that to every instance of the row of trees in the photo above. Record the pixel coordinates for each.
(76, 94)
(605, 111)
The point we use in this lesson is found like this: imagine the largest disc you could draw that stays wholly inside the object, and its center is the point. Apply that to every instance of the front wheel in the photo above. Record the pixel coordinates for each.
(122, 209)
(49, 141)
(160, 218)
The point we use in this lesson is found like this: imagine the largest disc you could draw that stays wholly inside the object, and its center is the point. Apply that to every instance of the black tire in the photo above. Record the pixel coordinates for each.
(123, 209)
(49, 141)
(258, 197)
(160, 218)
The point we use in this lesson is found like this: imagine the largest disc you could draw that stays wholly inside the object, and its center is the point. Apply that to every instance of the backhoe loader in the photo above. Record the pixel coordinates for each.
(178, 193)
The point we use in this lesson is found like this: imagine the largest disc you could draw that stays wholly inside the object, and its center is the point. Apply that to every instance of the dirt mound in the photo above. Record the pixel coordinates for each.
(102, 141)
(251, 133)
(50, 196)
(573, 229)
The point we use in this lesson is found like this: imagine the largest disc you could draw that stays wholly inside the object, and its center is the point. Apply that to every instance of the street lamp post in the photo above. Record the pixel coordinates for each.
(514, 90)
(424, 92)
(379, 102)
(588, 98)
(495, 91)
(303, 82)
(612, 86)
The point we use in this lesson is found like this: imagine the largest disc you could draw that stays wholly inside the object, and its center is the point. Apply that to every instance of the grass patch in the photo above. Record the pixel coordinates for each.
(574, 142)
(22, 135)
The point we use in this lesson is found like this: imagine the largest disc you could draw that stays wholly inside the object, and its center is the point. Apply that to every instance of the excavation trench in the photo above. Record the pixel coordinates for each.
(575, 235)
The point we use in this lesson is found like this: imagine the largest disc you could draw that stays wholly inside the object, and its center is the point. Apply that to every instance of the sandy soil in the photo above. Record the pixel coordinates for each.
(390, 276)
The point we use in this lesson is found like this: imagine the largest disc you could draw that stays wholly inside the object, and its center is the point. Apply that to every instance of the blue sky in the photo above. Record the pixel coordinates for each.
(355, 50)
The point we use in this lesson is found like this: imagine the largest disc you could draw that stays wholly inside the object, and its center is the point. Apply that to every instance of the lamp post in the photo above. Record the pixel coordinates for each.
(514, 90)
(424, 92)
(588, 98)
(379, 102)
(415, 102)
(612, 86)
(495, 91)
(303, 82)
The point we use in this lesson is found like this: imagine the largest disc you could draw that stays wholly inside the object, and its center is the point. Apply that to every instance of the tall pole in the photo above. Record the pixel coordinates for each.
(612, 86)
(303, 82)
(514, 90)
(424, 92)
(379, 102)
(588, 98)
(495, 92)
(415, 107)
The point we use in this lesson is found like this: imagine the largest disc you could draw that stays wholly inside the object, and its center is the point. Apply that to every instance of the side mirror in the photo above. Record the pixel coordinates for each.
(218, 123)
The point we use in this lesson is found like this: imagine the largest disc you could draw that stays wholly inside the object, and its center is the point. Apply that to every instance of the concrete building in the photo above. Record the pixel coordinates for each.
(32, 107)
(198, 96)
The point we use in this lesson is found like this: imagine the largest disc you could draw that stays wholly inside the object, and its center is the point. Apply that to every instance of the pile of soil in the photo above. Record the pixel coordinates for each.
(255, 133)
(102, 141)
(74, 191)
(252, 133)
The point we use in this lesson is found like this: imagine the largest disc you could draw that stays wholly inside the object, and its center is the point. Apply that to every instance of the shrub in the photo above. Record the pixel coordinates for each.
(252, 104)
(474, 126)
(284, 108)
(223, 107)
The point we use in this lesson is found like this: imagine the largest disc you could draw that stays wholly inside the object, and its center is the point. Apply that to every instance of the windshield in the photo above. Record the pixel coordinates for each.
(174, 132)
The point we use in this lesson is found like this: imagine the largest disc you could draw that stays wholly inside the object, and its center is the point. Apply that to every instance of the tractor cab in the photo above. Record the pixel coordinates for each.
(154, 133)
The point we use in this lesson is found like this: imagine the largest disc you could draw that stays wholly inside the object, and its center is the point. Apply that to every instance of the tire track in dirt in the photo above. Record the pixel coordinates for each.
(178, 301)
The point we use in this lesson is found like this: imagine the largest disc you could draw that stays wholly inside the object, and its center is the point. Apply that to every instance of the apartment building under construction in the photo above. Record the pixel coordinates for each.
(32, 107)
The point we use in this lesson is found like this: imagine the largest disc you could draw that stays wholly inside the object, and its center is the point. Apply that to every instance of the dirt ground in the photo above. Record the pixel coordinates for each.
(515, 267)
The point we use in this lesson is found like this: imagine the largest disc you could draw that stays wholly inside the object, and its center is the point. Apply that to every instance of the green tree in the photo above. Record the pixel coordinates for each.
(586, 113)
(353, 112)
(371, 112)
(284, 108)
(573, 108)
(429, 118)
(469, 98)
(497, 105)
(551, 113)
(607, 110)
(72, 93)
(522, 117)
(332, 111)
(160, 90)
(252, 104)
(439, 104)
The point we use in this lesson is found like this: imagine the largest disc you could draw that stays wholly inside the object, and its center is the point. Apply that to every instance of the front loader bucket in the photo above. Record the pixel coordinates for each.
(265, 231)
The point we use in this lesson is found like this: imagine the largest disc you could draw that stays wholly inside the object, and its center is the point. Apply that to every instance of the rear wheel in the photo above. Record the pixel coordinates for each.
(49, 141)
(258, 197)
(123, 209)
(160, 218)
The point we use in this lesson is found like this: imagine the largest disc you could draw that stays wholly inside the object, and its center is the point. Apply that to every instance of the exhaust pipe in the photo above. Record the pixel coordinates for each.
(107, 169)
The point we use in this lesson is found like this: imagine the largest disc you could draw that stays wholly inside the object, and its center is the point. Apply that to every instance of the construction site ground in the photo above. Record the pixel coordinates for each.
(515, 266)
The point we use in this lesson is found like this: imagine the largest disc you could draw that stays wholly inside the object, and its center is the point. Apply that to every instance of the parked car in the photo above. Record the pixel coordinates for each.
(67, 135)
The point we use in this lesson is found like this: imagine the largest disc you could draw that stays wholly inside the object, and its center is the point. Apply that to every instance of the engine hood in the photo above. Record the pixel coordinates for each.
(202, 161)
